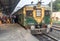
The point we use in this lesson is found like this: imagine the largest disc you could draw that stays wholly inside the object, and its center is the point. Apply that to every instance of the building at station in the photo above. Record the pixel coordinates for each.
(56, 17)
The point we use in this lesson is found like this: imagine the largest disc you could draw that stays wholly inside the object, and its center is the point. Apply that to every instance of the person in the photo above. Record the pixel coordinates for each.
(4, 19)
(16, 19)
(13, 19)
(0, 20)
(8, 20)
(48, 28)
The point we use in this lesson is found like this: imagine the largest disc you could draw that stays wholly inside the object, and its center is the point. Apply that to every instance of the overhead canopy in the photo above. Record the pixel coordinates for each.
(8, 5)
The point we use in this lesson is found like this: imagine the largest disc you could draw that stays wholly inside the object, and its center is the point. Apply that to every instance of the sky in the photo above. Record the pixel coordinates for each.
(25, 2)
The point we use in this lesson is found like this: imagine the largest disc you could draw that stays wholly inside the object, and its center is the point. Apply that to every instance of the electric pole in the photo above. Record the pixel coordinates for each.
(51, 6)
(51, 12)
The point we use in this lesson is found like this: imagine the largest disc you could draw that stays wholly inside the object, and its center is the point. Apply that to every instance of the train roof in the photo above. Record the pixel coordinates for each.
(32, 5)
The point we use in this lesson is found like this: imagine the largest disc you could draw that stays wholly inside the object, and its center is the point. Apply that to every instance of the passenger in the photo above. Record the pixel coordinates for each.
(16, 19)
(10, 18)
(13, 19)
(7, 21)
(4, 19)
(0, 20)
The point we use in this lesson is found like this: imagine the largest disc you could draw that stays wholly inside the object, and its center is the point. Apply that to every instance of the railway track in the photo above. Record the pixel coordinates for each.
(44, 37)
(50, 37)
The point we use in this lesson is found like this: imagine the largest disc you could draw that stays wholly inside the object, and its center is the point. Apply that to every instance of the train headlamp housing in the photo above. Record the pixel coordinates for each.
(43, 21)
(32, 27)
(48, 25)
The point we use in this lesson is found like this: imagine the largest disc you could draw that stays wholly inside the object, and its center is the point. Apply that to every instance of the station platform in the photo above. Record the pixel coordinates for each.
(14, 32)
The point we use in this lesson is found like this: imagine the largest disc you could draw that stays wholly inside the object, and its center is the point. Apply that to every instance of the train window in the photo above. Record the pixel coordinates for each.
(38, 12)
(47, 13)
(29, 13)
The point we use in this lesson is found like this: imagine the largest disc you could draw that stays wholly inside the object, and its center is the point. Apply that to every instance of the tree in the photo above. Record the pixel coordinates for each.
(56, 5)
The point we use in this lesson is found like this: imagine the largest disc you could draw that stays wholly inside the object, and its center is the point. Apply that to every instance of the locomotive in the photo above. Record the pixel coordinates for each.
(34, 17)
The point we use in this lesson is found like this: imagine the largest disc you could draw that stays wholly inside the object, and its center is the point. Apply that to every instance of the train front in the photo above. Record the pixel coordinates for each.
(39, 26)
(34, 16)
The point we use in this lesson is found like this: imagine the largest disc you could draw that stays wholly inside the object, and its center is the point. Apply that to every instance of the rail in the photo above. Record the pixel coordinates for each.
(45, 37)
(56, 27)
(53, 38)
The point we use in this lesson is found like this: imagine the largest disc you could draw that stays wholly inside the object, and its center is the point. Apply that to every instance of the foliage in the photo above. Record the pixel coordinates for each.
(56, 5)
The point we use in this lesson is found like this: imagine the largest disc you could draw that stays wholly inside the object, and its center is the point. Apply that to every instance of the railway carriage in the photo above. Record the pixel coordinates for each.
(34, 17)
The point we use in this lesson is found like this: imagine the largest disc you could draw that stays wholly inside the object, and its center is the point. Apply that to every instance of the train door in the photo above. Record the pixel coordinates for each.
(47, 17)
(47, 20)
(20, 18)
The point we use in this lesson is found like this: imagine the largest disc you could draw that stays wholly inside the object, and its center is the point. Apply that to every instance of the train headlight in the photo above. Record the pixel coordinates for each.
(43, 21)
(48, 28)
(32, 27)
(49, 25)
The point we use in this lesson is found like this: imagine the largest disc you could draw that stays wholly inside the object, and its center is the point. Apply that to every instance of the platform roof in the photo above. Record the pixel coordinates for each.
(8, 5)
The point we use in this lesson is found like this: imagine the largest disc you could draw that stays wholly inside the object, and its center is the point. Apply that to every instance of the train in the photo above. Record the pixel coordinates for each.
(34, 17)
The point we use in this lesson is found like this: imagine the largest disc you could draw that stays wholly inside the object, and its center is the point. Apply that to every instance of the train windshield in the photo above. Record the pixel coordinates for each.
(38, 13)
(47, 13)
(29, 13)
